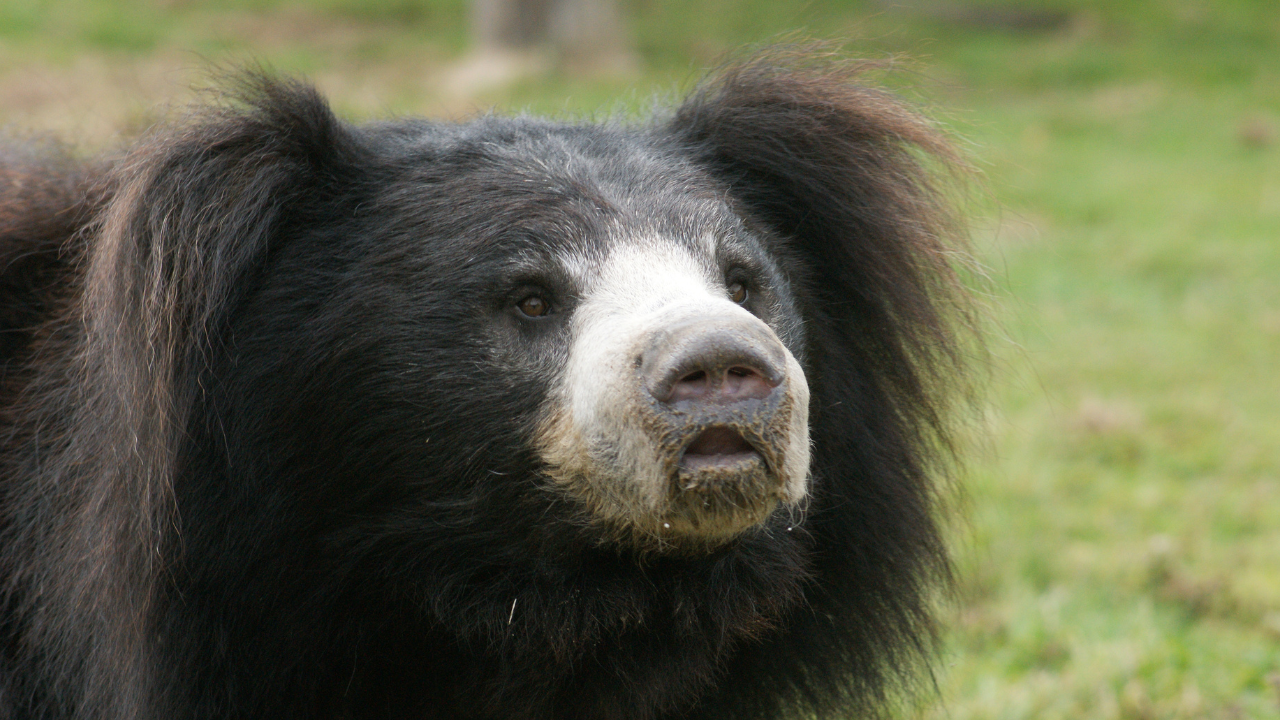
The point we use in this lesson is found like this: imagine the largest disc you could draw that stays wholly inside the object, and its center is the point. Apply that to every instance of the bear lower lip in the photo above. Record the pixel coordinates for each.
(718, 448)
(696, 463)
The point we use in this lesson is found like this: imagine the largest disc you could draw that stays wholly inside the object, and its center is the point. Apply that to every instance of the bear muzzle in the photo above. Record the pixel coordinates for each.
(680, 427)
(719, 410)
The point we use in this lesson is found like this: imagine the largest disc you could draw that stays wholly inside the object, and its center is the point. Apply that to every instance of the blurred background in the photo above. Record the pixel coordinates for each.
(1121, 556)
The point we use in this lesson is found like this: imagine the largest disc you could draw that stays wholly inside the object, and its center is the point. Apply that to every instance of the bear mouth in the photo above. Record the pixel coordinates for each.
(719, 449)
(722, 486)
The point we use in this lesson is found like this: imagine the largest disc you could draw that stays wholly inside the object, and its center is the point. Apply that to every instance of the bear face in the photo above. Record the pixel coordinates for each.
(615, 311)
(682, 416)
(506, 419)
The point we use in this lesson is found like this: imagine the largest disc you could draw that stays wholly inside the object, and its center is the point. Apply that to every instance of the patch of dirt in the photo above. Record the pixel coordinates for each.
(292, 25)
(489, 70)
(95, 100)
(1126, 100)
(1103, 417)
(367, 69)
(1257, 132)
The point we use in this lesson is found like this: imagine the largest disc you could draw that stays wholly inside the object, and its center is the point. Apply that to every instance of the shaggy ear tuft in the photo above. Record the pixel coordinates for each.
(194, 210)
(195, 206)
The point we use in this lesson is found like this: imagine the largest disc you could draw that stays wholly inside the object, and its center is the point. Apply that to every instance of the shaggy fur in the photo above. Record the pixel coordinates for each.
(266, 454)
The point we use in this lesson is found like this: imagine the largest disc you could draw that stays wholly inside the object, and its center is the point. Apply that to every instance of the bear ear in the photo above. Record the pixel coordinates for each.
(195, 209)
(855, 186)
(196, 205)
(186, 215)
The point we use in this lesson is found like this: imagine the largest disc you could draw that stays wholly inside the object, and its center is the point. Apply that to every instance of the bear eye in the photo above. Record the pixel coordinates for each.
(738, 292)
(534, 307)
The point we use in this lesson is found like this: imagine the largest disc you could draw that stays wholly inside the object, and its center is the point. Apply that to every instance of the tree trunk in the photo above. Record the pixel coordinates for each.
(582, 34)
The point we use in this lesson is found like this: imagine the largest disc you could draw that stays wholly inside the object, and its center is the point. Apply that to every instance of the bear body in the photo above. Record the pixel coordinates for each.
(508, 419)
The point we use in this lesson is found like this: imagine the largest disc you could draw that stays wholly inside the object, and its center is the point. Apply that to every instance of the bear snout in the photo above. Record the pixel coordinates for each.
(717, 386)
(713, 361)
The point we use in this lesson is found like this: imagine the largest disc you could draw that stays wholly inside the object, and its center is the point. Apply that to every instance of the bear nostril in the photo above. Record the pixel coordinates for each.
(746, 384)
(729, 385)
(691, 386)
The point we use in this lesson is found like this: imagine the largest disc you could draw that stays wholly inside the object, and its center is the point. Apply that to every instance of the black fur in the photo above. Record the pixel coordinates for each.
(266, 432)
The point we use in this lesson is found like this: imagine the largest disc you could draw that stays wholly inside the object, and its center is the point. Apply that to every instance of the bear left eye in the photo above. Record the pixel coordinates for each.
(738, 292)
(534, 307)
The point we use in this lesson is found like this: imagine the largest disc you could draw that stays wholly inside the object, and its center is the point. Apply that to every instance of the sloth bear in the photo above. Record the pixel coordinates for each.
(510, 419)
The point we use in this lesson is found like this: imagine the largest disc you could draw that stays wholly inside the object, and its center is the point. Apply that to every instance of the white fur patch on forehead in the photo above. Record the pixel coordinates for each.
(648, 272)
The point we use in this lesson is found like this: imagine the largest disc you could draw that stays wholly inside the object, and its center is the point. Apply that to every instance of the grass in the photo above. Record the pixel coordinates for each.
(1122, 554)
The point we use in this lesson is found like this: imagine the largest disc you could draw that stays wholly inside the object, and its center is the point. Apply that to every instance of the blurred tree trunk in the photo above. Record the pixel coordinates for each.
(583, 34)
(511, 24)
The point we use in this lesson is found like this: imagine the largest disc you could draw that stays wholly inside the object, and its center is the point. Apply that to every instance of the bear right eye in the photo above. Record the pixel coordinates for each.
(534, 307)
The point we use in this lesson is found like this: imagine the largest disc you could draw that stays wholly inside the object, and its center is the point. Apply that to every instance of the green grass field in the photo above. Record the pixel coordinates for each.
(1121, 556)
